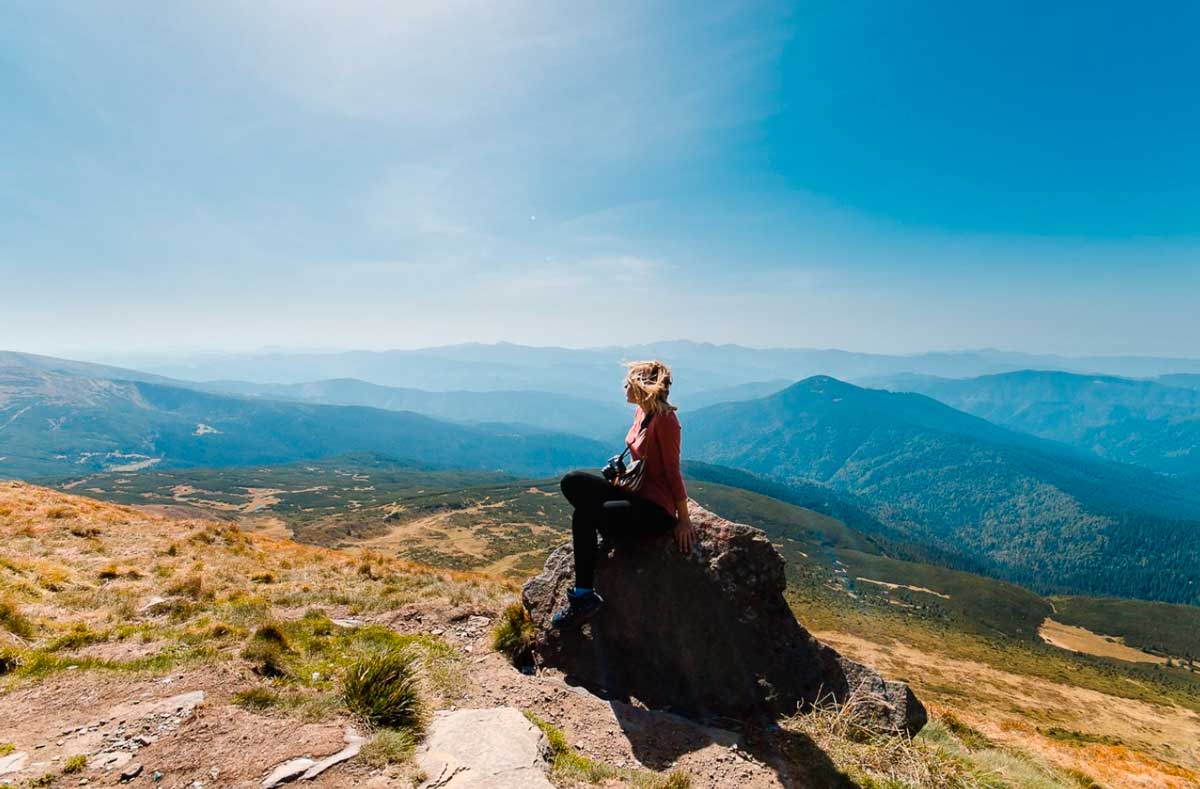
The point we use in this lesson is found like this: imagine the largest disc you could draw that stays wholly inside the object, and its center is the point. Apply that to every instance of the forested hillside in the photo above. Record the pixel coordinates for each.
(1031, 511)
(1143, 423)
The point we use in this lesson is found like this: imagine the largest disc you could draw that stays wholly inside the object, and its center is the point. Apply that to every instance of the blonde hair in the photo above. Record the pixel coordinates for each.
(652, 380)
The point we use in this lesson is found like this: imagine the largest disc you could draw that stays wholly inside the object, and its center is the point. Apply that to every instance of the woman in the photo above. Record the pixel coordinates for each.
(603, 508)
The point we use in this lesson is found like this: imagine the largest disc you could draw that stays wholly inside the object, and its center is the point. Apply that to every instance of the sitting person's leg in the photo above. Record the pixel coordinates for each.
(590, 494)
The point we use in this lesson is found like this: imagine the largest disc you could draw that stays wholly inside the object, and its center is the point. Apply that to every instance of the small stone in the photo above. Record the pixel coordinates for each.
(131, 772)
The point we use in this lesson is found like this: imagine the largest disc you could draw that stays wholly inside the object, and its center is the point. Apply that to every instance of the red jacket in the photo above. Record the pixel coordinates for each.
(659, 446)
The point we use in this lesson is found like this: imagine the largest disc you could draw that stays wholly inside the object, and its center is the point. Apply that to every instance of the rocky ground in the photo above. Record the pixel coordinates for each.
(184, 730)
(114, 670)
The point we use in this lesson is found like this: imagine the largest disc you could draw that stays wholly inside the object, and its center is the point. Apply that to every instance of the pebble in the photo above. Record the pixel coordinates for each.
(131, 772)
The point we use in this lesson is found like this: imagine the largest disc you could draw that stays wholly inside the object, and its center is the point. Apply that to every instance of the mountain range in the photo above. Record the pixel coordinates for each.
(596, 372)
(55, 423)
(1143, 423)
(1030, 494)
(1040, 513)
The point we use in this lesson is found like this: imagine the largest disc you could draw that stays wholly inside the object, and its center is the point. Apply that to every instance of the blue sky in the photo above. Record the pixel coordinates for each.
(873, 176)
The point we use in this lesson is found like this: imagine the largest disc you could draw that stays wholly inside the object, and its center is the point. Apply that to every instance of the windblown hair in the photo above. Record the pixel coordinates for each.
(652, 380)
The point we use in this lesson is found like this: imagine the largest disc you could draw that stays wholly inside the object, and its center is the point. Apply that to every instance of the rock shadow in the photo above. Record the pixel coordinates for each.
(659, 739)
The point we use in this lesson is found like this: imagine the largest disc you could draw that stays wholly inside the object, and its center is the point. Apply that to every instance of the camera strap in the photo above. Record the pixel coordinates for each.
(645, 424)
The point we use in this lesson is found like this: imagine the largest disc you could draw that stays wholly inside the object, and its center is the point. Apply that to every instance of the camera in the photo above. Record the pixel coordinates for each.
(614, 468)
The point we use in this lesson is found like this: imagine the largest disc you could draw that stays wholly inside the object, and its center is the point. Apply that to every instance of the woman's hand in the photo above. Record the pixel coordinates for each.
(685, 533)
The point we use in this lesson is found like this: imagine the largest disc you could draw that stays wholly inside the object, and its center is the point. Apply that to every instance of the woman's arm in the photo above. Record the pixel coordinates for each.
(669, 446)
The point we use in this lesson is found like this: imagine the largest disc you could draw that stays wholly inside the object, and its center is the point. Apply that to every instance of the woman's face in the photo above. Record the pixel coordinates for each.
(631, 392)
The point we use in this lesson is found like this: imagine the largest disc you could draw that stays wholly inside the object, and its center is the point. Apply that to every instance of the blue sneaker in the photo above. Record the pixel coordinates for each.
(579, 609)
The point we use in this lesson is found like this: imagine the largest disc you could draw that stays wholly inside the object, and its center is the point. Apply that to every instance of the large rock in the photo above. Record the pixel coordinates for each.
(708, 635)
(484, 749)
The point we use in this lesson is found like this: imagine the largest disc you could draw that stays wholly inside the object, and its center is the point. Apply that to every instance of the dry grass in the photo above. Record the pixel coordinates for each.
(947, 754)
(847, 731)
(219, 582)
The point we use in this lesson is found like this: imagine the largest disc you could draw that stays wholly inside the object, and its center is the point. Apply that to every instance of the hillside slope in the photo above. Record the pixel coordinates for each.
(1143, 423)
(1039, 513)
(52, 423)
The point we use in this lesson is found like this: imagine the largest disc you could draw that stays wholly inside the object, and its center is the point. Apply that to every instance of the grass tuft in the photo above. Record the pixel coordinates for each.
(10, 661)
(192, 586)
(514, 633)
(268, 651)
(75, 764)
(389, 746)
(12, 620)
(381, 686)
(112, 572)
(6, 748)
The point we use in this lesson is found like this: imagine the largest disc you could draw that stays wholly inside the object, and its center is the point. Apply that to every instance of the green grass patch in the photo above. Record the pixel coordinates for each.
(256, 698)
(80, 635)
(6, 748)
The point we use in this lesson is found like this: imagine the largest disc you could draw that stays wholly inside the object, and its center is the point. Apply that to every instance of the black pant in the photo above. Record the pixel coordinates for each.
(604, 508)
